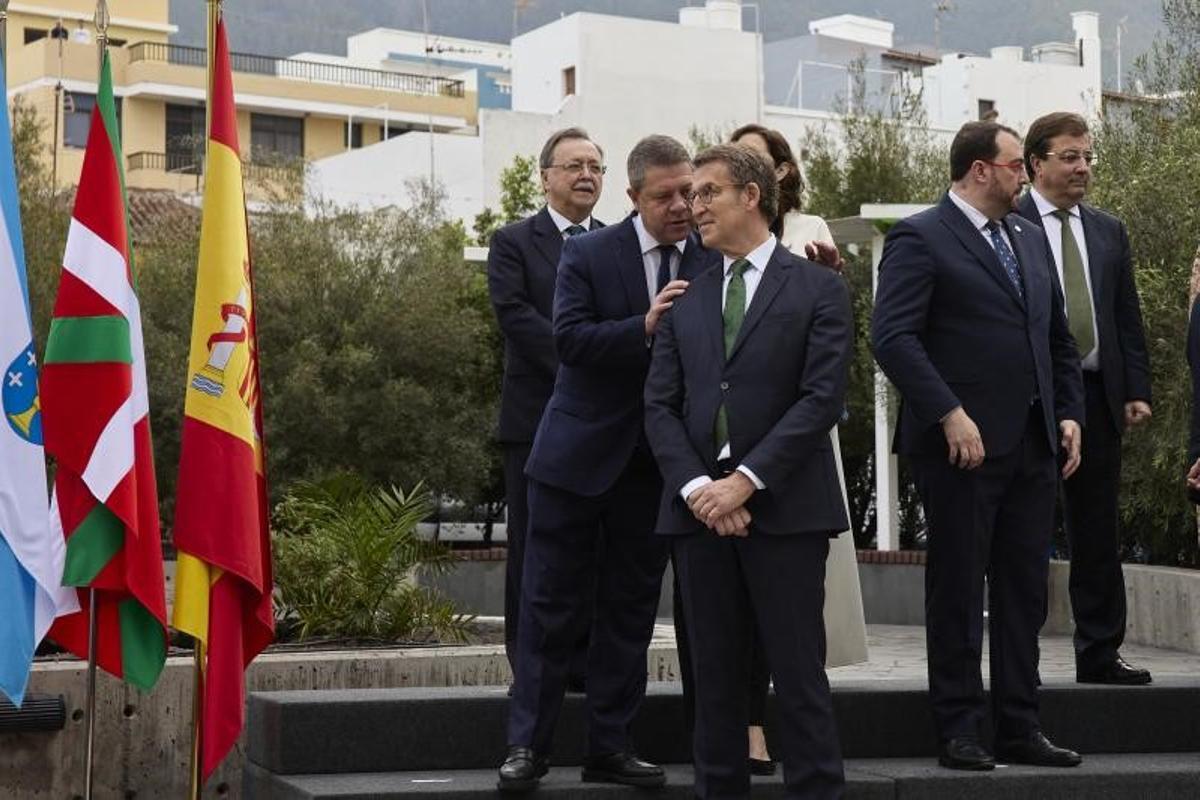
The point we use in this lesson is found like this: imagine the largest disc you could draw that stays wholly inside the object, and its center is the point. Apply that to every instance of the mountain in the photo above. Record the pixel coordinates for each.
(284, 27)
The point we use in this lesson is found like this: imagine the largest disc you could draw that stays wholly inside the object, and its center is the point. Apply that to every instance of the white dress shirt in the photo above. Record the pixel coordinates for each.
(759, 257)
(980, 221)
(1053, 227)
(651, 254)
(562, 223)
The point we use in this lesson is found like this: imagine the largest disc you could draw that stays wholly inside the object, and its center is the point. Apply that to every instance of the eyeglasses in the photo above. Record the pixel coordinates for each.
(1073, 157)
(576, 168)
(1016, 165)
(705, 195)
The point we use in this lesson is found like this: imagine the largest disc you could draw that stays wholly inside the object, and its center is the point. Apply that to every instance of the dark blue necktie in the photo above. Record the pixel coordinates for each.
(1007, 259)
(664, 266)
(575, 230)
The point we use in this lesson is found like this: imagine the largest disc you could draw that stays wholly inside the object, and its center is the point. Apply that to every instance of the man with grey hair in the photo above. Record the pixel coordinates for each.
(593, 485)
(748, 375)
(522, 264)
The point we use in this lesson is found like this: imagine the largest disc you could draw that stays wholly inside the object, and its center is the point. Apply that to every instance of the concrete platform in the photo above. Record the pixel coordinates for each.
(1100, 777)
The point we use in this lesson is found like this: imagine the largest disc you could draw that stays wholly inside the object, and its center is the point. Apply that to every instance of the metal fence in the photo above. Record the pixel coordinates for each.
(296, 69)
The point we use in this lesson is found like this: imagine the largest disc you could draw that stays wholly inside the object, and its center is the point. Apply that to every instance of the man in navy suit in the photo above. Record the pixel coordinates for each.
(1091, 255)
(749, 374)
(522, 264)
(593, 484)
(969, 326)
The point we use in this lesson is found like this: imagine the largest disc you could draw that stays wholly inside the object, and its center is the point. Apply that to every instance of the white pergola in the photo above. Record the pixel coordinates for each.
(869, 228)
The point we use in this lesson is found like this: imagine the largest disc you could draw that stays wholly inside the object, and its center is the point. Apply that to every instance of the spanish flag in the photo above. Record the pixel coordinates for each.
(223, 580)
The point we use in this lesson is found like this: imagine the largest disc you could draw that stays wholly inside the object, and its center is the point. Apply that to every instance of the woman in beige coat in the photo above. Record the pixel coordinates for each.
(845, 630)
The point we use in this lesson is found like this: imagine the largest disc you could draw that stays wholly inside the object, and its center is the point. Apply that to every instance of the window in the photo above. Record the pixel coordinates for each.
(77, 117)
(568, 81)
(987, 109)
(185, 138)
(353, 137)
(34, 34)
(276, 137)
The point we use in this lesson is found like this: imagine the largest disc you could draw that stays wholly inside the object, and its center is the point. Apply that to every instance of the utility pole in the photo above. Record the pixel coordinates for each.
(940, 8)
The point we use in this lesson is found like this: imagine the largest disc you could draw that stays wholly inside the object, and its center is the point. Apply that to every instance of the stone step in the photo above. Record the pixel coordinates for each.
(462, 728)
(1153, 776)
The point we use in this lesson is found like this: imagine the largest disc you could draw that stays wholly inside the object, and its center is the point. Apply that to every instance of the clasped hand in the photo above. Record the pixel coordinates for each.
(721, 505)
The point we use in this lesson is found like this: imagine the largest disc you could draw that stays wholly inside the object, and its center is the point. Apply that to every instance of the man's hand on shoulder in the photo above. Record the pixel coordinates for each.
(719, 499)
(963, 439)
(825, 254)
(662, 302)
(1072, 442)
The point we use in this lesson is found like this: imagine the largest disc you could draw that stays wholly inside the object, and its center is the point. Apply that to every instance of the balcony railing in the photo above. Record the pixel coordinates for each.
(296, 69)
(183, 163)
(193, 164)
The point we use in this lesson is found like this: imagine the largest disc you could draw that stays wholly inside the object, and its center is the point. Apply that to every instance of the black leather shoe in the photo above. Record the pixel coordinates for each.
(1116, 672)
(966, 752)
(623, 768)
(1038, 751)
(521, 770)
(761, 766)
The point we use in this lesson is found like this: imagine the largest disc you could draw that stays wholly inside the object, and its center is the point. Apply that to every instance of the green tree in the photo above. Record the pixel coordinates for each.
(1146, 152)
(879, 152)
(520, 196)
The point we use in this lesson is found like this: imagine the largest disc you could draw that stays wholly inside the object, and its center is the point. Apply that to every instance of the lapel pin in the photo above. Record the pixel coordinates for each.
(1017, 228)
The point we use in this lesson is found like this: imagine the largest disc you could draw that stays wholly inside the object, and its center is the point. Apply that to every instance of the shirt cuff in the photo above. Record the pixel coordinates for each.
(749, 473)
(693, 485)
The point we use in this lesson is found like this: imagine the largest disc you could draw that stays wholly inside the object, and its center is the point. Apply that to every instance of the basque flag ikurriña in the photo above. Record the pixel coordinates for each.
(223, 582)
(31, 550)
(94, 398)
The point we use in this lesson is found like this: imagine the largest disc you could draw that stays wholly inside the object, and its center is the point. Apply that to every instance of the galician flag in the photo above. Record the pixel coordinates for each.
(97, 423)
(31, 552)
(223, 582)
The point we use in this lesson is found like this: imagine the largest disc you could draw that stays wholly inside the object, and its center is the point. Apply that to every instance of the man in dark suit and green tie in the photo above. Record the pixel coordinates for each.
(748, 375)
(1091, 254)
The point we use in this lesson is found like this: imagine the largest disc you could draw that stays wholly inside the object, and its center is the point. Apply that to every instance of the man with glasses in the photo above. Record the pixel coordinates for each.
(594, 487)
(748, 375)
(969, 326)
(522, 265)
(1091, 254)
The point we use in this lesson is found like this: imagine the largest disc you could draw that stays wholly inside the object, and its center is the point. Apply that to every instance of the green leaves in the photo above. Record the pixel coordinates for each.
(347, 559)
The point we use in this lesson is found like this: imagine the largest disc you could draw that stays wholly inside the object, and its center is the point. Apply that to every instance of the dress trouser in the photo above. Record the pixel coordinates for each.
(516, 499)
(1090, 514)
(989, 524)
(780, 580)
(584, 552)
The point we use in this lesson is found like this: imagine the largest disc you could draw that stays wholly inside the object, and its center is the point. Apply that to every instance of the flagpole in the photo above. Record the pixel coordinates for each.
(101, 19)
(4, 34)
(196, 784)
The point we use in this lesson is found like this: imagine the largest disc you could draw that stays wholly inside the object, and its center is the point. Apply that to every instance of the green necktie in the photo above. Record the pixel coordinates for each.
(1079, 299)
(734, 313)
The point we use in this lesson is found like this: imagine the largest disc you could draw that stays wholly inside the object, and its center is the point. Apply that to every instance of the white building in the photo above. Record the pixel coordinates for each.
(623, 78)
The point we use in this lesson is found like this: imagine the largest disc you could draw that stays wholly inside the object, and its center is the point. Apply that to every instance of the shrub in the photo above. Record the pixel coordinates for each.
(347, 559)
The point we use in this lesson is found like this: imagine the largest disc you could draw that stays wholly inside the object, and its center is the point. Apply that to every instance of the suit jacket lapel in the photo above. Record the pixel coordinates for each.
(1096, 254)
(973, 240)
(769, 285)
(547, 238)
(632, 268)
